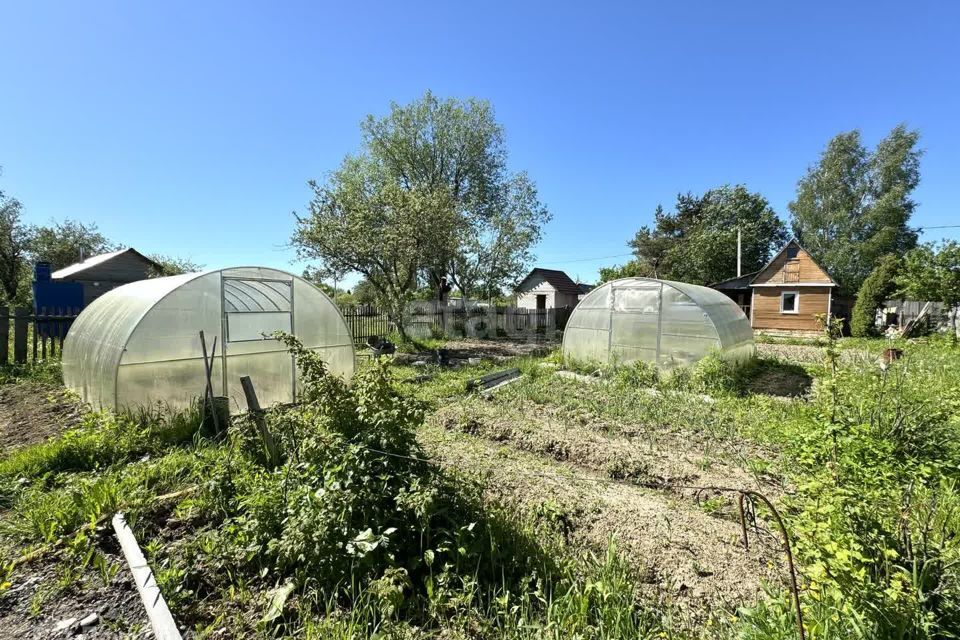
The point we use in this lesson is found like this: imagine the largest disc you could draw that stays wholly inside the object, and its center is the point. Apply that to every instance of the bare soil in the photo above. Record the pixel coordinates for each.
(622, 452)
(120, 612)
(31, 412)
(687, 558)
(496, 349)
(630, 483)
(782, 380)
(460, 350)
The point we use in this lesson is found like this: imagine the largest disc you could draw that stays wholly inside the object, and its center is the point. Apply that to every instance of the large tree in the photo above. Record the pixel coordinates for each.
(65, 243)
(362, 220)
(697, 242)
(14, 249)
(434, 153)
(854, 205)
(173, 265)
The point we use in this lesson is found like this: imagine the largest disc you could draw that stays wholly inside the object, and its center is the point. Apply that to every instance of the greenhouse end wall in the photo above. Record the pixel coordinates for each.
(139, 344)
(664, 323)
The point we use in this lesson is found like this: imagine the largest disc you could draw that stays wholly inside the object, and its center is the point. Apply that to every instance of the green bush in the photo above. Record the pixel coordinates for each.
(876, 516)
(638, 374)
(878, 286)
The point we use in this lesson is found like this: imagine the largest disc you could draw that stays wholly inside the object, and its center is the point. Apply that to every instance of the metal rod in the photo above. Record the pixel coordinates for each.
(794, 589)
(208, 367)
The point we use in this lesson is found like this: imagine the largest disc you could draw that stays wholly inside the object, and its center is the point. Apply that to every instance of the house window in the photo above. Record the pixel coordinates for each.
(790, 302)
(792, 253)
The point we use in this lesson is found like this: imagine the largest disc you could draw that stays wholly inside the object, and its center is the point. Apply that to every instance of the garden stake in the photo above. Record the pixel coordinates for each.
(253, 405)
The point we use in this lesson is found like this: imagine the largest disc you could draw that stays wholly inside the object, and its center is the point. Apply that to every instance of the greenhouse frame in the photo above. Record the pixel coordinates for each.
(139, 344)
(660, 322)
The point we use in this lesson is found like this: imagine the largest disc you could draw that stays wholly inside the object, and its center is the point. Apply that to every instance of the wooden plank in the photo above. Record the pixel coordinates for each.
(4, 335)
(36, 332)
(802, 269)
(21, 323)
(164, 627)
(253, 405)
(492, 379)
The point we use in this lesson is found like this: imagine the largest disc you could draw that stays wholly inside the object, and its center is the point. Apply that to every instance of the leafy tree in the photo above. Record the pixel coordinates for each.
(929, 272)
(854, 206)
(363, 220)
(697, 242)
(173, 266)
(65, 243)
(632, 269)
(453, 151)
(365, 293)
(878, 286)
(14, 248)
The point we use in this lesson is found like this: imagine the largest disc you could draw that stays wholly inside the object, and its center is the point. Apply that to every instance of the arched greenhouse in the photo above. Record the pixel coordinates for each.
(139, 344)
(657, 321)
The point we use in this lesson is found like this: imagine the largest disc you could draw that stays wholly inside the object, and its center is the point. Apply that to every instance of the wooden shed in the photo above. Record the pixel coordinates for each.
(790, 292)
(99, 274)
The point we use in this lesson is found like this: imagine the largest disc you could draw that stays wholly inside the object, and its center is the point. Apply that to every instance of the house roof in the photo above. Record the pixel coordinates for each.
(94, 261)
(739, 282)
(792, 241)
(556, 279)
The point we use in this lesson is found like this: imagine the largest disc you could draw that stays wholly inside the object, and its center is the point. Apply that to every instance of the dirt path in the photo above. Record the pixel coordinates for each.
(116, 604)
(32, 412)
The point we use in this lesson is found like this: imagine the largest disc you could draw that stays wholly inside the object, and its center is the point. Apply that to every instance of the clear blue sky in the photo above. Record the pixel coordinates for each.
(191, 128)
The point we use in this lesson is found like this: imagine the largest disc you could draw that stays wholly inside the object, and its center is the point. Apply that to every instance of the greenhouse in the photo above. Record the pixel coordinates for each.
(664, 323)
(139, 344)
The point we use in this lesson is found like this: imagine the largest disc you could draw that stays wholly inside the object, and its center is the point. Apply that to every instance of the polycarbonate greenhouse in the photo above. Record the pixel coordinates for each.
(657, 321)
(139, 344)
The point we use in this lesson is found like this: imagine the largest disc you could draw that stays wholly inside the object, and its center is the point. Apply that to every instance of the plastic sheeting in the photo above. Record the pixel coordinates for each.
(139, 344)
(664, 323)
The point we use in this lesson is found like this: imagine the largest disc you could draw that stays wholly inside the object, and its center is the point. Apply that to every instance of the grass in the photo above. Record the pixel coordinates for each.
(865, 463)
(44, 371)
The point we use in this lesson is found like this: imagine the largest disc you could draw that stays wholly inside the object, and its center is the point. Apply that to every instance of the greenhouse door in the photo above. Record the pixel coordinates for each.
(253, 309)
(635, 323)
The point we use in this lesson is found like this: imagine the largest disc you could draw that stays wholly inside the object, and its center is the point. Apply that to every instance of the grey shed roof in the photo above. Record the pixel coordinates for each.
(557, 279)
(741, 282)
(78, 269)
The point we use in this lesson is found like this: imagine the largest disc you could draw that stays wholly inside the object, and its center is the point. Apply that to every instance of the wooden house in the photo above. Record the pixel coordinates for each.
(790, 292)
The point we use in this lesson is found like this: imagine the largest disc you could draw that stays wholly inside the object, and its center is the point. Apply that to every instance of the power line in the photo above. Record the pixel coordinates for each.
(619, 255)
(944, 226)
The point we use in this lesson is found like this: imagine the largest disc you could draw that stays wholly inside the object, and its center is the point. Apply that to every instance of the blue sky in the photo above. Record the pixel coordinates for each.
(191, 128)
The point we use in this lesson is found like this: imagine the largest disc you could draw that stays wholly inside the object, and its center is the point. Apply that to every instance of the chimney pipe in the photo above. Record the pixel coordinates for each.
(738, 254)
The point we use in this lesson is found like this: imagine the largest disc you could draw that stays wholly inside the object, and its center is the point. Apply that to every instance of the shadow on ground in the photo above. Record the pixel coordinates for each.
(773, 377)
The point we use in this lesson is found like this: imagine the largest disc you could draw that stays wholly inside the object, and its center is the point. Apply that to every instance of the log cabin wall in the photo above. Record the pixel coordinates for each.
(812, 301)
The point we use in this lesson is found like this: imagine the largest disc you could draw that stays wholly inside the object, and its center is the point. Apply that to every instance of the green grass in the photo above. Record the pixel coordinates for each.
(44, 371)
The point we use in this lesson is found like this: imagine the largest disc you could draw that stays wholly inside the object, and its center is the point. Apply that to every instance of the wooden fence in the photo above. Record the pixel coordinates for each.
(26, 335)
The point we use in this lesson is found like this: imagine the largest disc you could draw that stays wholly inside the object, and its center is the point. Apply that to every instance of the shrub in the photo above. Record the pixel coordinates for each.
(355, 507)
(878, 286)
(638, 374)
